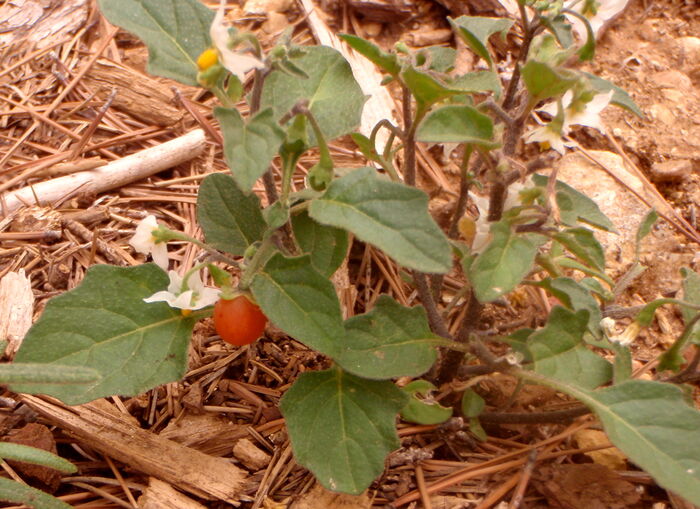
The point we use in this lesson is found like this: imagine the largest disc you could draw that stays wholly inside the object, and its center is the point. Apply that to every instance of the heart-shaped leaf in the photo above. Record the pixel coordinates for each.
(342, 427)
(389, 341)
(392, 216)
(176, 32)
(231, 221)
(105, 325)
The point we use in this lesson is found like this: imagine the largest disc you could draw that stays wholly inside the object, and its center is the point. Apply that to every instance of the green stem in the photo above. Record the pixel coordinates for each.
(223, 97)
(215, 253)
(259, 258)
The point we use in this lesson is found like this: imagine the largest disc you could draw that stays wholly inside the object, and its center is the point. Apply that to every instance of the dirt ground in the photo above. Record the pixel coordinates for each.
(135, 452)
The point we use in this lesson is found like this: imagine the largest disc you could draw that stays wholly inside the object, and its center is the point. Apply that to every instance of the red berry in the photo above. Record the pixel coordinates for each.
(238, 321)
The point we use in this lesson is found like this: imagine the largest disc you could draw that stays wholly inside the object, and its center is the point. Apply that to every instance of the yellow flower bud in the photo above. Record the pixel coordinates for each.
(207, 59)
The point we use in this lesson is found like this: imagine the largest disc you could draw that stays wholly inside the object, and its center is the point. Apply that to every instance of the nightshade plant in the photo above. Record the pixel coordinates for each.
(341, 421)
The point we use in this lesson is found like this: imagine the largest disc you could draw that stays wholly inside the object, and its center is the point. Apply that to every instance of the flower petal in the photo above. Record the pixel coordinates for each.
(207, 297)
(237, 63)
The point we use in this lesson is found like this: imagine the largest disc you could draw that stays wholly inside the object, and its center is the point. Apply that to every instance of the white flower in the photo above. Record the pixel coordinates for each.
(547, 136)
(627, 336)
(144, 242)
(197, 295)
(589, 115)
(607, 10)
(237, 63)
(482, 234)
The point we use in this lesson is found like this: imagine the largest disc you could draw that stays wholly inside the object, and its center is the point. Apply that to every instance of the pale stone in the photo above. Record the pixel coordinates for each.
(663, 114)
(372, 28)
(690, 49)
(276, 22)
(672, 171)
(673, 79)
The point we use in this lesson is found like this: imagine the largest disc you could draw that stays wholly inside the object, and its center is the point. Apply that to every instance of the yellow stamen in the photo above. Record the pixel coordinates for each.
(207, 59)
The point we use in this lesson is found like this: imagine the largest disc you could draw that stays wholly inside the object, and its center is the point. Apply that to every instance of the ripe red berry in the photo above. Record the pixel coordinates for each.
(238, 321)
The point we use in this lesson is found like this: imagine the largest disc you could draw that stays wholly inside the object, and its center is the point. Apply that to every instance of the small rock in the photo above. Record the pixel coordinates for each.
(647, 31)
(673, 79)
(672, 171)
(372, 28)
(261, 7)
(250, 455)
(675, 96)
(663, 114)
(431, 37)
(276, 22)
(690, 50)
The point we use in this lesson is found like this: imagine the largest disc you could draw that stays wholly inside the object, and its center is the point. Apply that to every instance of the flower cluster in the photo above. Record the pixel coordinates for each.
(188, 292)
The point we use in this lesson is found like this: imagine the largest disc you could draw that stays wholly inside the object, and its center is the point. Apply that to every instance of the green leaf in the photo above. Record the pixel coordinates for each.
(35, 456)
(475, 32)
(653, 424)
(472, 403)
(230, 220)
(439, 58)
(595, 286)
(478, 81)
(38, 373)
(387, 62)
(301, 302)
(276, 215)
(392, 216)
(366, 147)
(457, 124)
(423, 410)
(558, 351)
(249, 147)
(105, 325)
(560, 28)
(620, 97)
(426, 89)
(342, 427)
(387, 342)
(576, 297)
(544, 81)
(326, 245)
(691, 293)
(582, 243)
(337, 113)
(575, 206)
(646, 224)
(570, 263)
(503, 264)
(176, 32)
(18, 493)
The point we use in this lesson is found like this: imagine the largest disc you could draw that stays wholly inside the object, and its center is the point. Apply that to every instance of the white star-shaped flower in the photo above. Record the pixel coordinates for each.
(588, 115)
(194, 296)
(144, 242)
(236, 62)
(548, 137)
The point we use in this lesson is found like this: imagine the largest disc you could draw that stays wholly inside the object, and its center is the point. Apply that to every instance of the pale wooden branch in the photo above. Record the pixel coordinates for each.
(109, 432)
(113, 175)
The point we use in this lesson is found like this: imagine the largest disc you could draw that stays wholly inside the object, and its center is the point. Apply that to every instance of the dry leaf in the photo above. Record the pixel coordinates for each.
(611, 457)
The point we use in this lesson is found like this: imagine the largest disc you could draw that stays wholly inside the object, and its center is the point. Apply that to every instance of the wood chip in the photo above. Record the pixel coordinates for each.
(16, 308)
(161, 495)
(141, 96)
(110, 433)
(250, 455)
